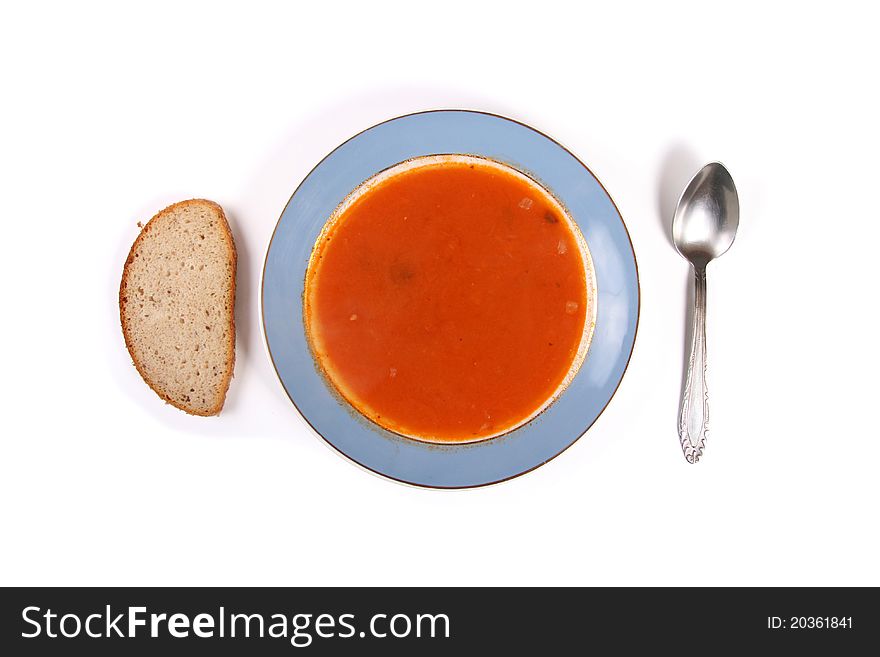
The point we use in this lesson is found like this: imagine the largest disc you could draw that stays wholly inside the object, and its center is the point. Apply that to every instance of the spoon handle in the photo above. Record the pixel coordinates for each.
(693, 420)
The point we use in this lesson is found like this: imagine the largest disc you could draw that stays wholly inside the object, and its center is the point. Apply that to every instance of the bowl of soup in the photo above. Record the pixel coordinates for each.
(450, 299)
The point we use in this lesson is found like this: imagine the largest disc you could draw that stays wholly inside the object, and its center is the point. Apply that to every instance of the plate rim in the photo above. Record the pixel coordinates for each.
(384, 475)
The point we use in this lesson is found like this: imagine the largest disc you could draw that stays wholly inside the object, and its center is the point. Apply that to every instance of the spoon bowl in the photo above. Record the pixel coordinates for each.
(707, 216)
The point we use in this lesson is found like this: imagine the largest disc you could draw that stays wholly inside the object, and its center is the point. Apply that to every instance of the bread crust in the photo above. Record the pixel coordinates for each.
(230, 347)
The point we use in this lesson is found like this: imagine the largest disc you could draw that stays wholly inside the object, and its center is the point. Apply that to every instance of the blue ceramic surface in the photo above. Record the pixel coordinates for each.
(460, 132)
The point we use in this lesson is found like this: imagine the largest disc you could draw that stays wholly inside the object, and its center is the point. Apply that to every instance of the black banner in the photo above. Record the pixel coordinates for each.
(236, 621)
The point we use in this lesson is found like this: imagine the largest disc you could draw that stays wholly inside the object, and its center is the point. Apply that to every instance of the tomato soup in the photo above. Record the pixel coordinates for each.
(450, 299)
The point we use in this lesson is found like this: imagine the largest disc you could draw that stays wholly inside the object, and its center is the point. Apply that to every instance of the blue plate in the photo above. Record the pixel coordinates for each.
(442, 132)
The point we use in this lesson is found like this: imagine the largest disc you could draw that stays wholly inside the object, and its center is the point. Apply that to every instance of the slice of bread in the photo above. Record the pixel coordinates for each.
(176, 303)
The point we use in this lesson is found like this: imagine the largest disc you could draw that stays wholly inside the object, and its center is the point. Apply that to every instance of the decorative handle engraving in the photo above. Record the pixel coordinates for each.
(693, 420)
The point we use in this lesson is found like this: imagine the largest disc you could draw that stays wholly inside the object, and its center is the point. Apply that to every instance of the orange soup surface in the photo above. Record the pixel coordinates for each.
(448, 301)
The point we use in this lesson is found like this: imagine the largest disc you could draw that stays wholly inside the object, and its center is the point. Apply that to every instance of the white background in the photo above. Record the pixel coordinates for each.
(111, 112)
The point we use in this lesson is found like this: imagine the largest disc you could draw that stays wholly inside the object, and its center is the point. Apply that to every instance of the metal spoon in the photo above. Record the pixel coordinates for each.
(703, 228)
